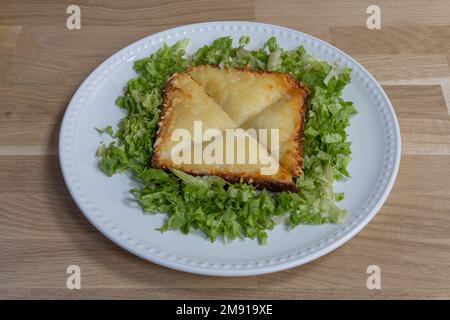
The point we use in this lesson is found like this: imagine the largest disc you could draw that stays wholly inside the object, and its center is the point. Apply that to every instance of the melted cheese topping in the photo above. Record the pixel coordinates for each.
(250, 158)
(231, 99)
(241, 94)
(280, 116)
(189, 103)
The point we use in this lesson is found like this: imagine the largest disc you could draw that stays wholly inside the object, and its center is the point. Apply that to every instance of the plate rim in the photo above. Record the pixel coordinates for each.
(192, 265)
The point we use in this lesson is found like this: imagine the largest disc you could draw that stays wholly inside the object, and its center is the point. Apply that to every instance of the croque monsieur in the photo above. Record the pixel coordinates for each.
(235, 99)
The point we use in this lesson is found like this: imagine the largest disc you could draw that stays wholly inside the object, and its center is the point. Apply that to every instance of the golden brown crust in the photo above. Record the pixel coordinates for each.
(283, 183)
(164, 122)
(284, 180)
(293, 83)
(297, 154)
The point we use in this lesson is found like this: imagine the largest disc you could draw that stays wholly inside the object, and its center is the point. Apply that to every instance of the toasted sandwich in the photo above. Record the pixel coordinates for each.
(242, 100)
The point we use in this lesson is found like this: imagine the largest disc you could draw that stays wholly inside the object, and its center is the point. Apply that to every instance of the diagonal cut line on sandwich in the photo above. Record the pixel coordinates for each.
(235, 99)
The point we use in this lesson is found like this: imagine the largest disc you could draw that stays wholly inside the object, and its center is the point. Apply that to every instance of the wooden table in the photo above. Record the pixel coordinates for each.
(42, 232)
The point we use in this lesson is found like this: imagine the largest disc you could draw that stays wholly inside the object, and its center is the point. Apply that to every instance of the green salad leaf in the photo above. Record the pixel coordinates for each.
(210, 204)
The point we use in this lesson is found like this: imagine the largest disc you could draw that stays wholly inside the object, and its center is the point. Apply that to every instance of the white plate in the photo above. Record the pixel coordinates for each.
(374, 134)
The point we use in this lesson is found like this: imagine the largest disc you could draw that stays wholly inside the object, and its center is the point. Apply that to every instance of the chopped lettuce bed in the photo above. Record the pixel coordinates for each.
(208, 203)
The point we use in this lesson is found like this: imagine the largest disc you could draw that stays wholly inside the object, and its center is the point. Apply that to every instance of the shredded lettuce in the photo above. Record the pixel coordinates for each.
(210, 204)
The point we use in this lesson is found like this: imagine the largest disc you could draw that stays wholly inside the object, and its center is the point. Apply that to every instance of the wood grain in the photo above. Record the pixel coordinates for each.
(42, 231)
(424, 126)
